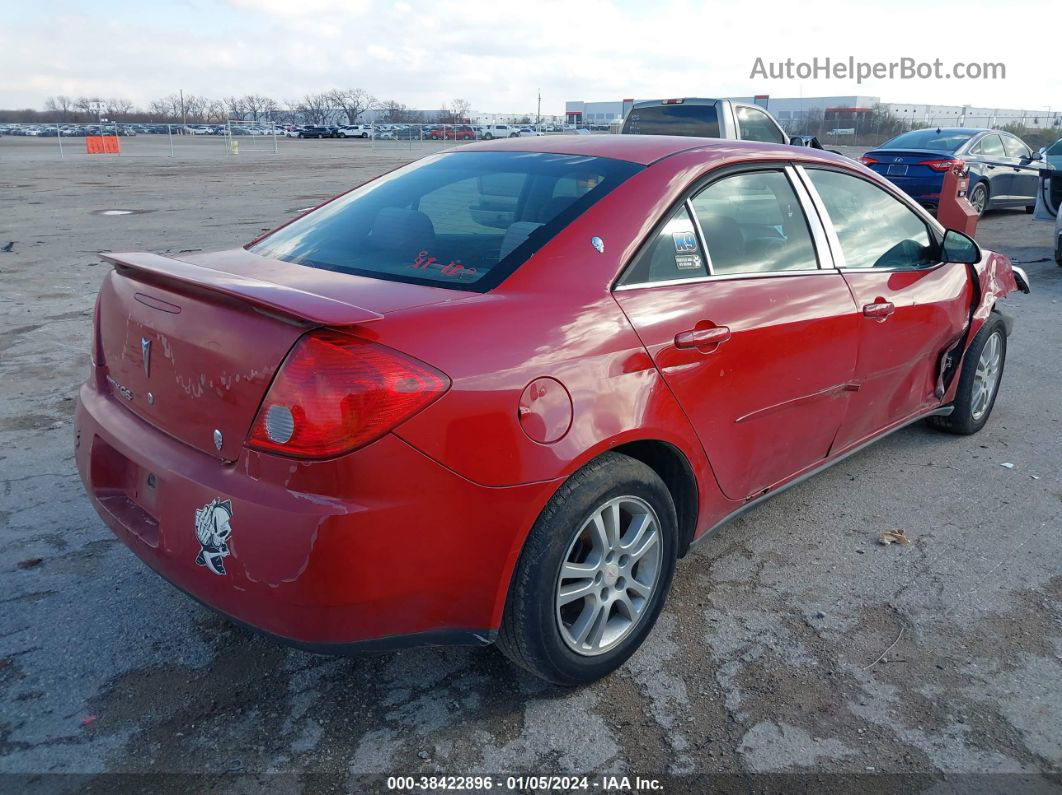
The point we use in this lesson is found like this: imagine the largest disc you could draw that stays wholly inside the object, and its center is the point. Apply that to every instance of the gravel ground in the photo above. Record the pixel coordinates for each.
(792, 642)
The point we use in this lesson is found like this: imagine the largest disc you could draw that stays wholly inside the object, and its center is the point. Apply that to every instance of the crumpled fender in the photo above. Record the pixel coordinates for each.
(996, 275)
(995, 280)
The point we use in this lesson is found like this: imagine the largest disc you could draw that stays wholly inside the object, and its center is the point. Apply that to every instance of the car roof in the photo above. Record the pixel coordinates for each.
(640, 149)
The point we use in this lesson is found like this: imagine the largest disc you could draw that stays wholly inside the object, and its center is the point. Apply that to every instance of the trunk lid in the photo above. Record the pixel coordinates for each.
(192, 349)
(904, 162)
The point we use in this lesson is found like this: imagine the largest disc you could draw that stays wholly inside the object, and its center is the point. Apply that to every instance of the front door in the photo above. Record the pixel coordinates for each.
(913, 308)
(756, 342)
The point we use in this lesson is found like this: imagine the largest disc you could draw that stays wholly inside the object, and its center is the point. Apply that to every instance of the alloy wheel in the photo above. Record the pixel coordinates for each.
(986, 377)
(609, 574)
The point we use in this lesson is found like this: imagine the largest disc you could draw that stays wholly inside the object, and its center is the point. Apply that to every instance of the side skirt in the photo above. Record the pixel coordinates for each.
(942, 411)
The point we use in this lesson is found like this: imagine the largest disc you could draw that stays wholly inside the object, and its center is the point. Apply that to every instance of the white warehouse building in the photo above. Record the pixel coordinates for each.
(844, 108)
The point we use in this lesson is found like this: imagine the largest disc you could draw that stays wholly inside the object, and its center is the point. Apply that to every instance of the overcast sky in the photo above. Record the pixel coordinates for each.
(499, 53)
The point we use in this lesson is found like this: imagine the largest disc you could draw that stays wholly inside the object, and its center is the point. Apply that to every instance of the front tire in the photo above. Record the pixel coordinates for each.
(594, 573)
(982, 373)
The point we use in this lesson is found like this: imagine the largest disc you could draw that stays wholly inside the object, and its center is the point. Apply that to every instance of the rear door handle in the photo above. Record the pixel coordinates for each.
(703, 339)
(879, 310)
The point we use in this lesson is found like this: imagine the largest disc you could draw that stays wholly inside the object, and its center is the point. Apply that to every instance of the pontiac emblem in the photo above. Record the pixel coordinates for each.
(145, 354)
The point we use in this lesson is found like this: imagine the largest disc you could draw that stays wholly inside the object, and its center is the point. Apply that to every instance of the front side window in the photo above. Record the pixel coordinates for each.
(1016, 148)
(875, 229)
(755, 125)
(464, 220)
(672, 253)
(753, 223)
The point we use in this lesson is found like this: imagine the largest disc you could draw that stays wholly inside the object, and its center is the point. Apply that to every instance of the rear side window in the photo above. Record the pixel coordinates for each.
(673, 253)
(753, 223)
(874, 229)
(755, 125)
(991, 146)
(684, 119)
(464, 220)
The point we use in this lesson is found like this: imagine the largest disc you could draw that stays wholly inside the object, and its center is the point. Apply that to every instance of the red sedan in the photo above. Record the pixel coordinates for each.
(495, 394)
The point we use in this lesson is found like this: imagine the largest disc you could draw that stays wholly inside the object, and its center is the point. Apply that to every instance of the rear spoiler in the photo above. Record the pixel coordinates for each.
(278, 298)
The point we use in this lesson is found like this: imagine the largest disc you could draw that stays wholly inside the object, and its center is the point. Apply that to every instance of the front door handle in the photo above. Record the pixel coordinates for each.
(703, 339)
(879, 310)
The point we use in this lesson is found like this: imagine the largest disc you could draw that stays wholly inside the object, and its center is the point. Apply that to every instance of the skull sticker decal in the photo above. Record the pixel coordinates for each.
(213, 529)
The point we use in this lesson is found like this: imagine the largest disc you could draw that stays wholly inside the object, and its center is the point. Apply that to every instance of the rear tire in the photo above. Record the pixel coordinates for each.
(614, 519)
(979, 198)
(979, 381)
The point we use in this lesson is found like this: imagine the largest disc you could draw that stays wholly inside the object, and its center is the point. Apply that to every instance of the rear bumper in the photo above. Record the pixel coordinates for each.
(925, 190)
(379, 549)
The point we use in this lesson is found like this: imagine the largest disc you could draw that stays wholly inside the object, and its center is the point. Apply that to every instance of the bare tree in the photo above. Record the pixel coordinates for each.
(351, 101)
(234, 107)
(315, 107)
(254, 105)
(460, 110)
(394, 112)
(216, 111)
(60, 105)
(118, 108)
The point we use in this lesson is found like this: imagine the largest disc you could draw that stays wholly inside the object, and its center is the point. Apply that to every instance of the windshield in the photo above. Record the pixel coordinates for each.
(684, 119)
(1056, 148)
(464, 220)
(936, 140)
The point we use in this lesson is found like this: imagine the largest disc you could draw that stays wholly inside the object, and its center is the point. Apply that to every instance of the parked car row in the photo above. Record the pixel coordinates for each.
(433, 132)
(76, 130)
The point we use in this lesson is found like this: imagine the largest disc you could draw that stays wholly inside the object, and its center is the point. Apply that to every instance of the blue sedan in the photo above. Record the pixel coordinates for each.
(1004, 172)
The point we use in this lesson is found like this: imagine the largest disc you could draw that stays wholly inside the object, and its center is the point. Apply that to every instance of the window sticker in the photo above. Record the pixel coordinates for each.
(687, 262)
(685, 242)
(452, 269)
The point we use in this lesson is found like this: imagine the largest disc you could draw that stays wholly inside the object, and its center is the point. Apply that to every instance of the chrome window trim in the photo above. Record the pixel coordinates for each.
(817, 226)
(725, 277)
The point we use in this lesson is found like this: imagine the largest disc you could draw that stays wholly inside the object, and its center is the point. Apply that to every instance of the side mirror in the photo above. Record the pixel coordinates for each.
(796, 140)
(960, 248)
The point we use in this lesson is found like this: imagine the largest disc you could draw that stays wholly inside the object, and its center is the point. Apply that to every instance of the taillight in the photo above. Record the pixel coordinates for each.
(335, 393)
(942, 165)
(867, 161)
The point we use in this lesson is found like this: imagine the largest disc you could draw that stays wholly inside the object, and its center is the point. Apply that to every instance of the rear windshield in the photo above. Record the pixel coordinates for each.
(696, 120)
(464, 220)
(936, 140)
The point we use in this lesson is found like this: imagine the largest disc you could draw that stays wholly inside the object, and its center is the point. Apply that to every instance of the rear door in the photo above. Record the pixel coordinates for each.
(913, 308)
(756, 341)
(1026, 173)
(995, 166)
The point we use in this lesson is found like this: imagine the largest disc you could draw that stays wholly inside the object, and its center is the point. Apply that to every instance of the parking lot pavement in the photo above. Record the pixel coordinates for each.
(792, 640)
